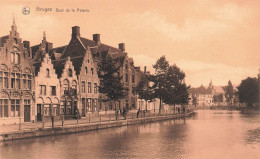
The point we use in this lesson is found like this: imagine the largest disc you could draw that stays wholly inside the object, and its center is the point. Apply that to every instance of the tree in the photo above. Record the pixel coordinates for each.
(218, 98)
(161, 66)
(143, 90)
(110, 79)
(229, 92)
(169, 83)
(248, 91)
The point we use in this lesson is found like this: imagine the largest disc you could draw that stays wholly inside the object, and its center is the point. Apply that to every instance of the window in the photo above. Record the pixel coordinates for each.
(42, 90)
(15, 80)
(66, 85)
(62, 106)
(86, 70)
(83, 101)
(70, 72)
(95, 88)
(29, 82)
(15, 108)
(47, 73)
(92, 71)
(89, 87)
(54, 111)
(12, 57)
(95, 104)
(89, 105)
(53, 90)
(83, 88)
(47, 110)
(3, 108)
(126, 77)
(15, 58)
(3, 79)
(68, 107)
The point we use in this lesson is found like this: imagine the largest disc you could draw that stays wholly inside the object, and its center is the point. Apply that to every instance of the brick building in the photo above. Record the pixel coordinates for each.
(47, 90)
(16, 79)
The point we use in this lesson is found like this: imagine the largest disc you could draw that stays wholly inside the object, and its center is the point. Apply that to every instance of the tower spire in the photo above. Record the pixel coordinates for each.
(44, 36)
(14, 28)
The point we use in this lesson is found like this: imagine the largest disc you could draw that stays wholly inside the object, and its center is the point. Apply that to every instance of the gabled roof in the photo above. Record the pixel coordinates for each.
(77, 63)
(59, 66)
(3, 40)
(59, 49)
(37, 67)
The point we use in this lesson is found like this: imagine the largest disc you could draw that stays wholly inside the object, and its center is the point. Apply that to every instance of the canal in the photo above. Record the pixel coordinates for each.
(209, 134)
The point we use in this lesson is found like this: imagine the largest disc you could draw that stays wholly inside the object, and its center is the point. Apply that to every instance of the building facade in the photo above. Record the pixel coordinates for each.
(16, 79)
(47, 90)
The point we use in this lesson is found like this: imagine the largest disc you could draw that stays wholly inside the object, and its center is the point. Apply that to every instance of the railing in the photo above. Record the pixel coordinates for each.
(91, 118)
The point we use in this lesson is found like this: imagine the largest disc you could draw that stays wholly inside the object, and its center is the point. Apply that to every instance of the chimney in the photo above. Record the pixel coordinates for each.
(75, 32)
(96, 38)
(121, 46)
(144, 69)
(26, 44)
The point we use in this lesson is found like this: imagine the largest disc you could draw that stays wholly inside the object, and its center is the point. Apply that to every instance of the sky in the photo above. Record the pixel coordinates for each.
(216, 40)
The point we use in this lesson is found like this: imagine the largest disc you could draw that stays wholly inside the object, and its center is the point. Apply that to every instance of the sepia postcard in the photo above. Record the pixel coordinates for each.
(134, 79)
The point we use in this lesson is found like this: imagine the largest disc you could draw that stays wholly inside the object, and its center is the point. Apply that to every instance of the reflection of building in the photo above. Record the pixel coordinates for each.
(16, 79)
(47, 89)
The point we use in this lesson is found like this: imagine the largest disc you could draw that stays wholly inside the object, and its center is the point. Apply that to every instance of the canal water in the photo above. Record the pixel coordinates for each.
(210, 134)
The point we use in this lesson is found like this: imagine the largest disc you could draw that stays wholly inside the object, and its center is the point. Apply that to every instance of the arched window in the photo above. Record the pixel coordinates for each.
(70, 72)
(66, 85)
(47, 72)
(74, 85)
(17, 58)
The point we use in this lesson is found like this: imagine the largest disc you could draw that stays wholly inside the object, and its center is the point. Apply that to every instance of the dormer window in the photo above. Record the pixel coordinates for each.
(70, 73)
(47, 72)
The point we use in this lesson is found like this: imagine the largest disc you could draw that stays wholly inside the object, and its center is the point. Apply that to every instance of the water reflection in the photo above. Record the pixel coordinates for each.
(208, 134)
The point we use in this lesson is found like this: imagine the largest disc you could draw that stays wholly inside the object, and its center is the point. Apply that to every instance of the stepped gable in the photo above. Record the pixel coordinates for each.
(3, 40)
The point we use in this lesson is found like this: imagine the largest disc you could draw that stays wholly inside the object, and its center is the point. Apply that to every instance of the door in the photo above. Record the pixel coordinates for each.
(27, 113)
(39, 112)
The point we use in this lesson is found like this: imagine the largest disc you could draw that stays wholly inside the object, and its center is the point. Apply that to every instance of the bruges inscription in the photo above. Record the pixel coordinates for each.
(62, 10)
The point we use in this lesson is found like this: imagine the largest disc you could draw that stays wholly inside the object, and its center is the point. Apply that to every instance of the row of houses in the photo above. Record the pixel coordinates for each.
(210, 96)
(37, 82)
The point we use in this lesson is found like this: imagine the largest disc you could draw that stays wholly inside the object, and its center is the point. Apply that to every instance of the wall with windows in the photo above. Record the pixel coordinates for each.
(69, 90)
(89, 83)
(47, 90)
(16, 80)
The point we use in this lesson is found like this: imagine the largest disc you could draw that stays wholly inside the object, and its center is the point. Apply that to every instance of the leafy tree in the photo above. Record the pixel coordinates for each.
(143, 90)
(248, 91)
(110, 79)
(229, 92)
(169, 84)
(218, 98)
(161, 66)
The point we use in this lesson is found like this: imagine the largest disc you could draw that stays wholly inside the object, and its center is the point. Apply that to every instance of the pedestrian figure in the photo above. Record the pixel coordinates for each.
(179, 110)
(184, 110)
(117, 114)
(138, 111)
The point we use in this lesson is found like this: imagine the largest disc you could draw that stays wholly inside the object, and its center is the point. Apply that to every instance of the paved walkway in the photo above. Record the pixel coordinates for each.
(84, 120)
